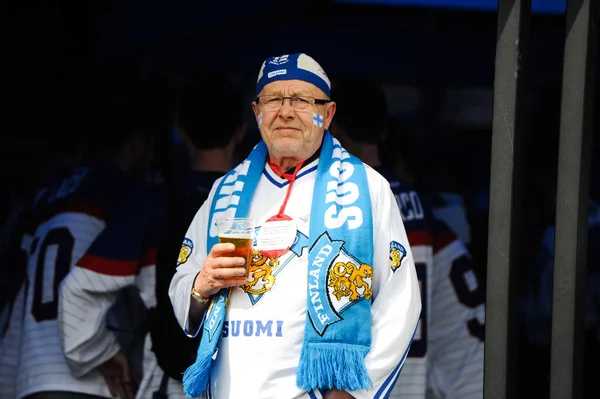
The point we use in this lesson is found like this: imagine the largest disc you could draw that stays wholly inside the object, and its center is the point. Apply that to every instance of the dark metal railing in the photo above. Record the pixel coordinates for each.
(507, 134)
(572, 198)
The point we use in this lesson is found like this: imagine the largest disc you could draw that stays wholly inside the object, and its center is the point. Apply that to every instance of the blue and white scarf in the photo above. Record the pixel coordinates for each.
(335, 347)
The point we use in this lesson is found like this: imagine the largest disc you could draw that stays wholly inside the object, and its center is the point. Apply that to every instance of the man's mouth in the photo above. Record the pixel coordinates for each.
(287, 129)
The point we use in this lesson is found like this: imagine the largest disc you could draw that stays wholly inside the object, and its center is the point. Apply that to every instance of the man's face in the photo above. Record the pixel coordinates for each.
(289, 132)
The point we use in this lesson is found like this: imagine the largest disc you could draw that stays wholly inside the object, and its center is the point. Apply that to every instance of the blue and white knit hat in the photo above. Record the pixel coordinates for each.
(290, 67)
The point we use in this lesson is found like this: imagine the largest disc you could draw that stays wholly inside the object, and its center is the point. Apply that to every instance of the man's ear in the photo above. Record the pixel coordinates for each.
(329, 113)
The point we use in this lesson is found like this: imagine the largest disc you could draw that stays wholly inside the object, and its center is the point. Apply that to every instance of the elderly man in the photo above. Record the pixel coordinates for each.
(331, 300)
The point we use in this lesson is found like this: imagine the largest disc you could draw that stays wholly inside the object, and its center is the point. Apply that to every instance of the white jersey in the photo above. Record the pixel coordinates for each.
(82, 249)
(446, 357)
(260, 346)
(42, 367)
(457, 323)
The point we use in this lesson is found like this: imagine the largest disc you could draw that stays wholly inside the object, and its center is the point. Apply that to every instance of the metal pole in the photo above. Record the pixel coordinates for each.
(573, 187)
(509, 95)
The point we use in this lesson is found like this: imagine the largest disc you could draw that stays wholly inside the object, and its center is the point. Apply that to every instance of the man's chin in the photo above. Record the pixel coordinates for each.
(286, 147)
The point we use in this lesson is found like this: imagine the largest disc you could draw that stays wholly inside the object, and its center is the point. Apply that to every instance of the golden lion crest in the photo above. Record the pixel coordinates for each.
(346, 279)
(185, 251)
(395, 258)
(261, 273)
(397, 255)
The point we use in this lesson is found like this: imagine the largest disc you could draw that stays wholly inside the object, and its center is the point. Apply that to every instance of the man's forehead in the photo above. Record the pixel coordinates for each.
(284, 87)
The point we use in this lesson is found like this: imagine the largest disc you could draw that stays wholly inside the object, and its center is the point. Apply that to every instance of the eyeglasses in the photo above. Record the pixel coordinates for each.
(299, 103)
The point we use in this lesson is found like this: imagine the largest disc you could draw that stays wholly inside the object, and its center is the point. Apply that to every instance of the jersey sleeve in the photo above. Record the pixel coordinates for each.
(396, 297)
(191, 257)
(123, 255)
(417, 217)
(457, 329)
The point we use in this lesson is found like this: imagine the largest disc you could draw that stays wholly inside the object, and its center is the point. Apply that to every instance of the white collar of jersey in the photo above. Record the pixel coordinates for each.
(282, 182)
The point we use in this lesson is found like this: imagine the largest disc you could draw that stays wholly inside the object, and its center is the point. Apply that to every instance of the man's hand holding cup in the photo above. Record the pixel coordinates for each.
(228, 263)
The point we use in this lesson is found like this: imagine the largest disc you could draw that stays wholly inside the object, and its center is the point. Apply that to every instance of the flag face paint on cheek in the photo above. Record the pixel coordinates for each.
(318, 120)
(259, 119)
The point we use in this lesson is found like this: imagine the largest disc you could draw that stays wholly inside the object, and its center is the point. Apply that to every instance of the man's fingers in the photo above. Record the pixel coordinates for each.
(110, 384)
(125, 370)
(123, 387)
(221, 270)
(126, 378)
(130, 390)
(226, 262)
(228, 273)
(220, 249)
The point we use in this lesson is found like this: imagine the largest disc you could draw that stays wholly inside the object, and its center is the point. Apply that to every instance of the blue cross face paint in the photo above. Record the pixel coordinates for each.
(318, 120)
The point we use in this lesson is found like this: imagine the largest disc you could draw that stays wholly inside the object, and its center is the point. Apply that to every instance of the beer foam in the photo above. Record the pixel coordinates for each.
(237, 236)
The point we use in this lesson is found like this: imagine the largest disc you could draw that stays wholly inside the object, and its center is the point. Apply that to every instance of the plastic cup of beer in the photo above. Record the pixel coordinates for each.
(239, 232)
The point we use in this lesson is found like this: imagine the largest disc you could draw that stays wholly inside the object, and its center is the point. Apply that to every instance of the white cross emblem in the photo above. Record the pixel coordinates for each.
(279, 60)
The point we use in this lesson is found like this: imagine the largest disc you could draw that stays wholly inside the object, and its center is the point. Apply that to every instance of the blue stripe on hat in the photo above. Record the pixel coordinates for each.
(287, 67)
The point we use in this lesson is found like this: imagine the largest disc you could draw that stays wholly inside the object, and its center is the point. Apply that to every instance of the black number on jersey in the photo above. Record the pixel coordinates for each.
(410, 206)
(419, 343)
(470, 297)
(58, 268)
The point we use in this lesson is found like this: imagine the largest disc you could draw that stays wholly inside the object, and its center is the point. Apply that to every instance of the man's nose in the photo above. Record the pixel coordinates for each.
(287, 111)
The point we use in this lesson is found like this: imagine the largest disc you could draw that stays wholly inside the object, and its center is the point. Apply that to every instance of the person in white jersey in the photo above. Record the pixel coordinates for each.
(331, 302)
(446, 357)
(91, 242)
